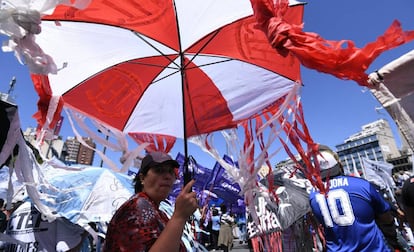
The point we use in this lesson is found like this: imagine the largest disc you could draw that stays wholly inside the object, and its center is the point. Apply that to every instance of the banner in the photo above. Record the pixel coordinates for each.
(223, 185)
(267, 220)
(290, 200)
(213, 186)
(9, 125)
(36, 234)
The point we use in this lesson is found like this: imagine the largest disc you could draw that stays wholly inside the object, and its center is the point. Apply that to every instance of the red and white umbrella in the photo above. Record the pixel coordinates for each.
(132, 65)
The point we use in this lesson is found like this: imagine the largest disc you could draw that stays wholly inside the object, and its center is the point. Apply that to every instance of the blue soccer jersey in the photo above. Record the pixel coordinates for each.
(348, 215)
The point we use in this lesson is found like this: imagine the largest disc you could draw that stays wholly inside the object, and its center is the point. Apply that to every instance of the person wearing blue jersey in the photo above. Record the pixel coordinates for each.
(351, 211)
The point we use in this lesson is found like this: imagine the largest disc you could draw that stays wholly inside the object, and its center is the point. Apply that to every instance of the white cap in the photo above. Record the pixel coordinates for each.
(326, 160)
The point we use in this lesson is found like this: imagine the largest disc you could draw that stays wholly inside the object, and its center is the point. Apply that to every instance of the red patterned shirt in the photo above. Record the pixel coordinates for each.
(136, 225)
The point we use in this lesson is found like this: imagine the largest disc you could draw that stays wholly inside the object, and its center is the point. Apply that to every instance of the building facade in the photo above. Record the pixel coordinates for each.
(70, 151)
(375, 141)
(76, 153)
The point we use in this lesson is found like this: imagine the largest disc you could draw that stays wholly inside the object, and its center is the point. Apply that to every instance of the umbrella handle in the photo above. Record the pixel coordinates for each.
(187, 175)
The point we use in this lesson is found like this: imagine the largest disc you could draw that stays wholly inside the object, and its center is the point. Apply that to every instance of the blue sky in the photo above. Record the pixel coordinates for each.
(334, 109)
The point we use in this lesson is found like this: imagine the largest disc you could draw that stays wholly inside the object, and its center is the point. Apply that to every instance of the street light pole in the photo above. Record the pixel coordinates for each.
(11, 85)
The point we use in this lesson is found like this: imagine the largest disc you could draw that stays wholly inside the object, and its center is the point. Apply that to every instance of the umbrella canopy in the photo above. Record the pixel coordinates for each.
(137, 67)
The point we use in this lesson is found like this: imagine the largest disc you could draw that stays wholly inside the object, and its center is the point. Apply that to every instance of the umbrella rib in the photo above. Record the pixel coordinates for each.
(211, 63)
(154, 65)
(166, 76)
(208, 41)
(155, 48)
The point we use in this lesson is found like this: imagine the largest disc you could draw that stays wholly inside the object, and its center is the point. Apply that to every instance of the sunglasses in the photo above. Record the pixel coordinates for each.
(161, 169)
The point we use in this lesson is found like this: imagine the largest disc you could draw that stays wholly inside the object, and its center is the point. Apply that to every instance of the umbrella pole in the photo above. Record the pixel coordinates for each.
(186, 172)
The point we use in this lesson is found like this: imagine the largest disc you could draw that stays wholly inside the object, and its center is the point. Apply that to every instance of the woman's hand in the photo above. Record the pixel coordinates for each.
(186, 202)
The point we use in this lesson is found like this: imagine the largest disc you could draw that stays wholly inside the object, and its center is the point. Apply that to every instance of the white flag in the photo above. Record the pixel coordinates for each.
(378, 170)
(356, 172)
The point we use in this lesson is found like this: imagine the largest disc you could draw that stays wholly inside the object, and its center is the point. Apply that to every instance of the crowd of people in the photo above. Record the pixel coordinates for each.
(216, 228)
(139, 224)
(353, 215)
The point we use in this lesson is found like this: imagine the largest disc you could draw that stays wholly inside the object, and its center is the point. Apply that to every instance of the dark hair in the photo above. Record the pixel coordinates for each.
(223, 208)
(137, 181)
(215, 212)
(1, 203)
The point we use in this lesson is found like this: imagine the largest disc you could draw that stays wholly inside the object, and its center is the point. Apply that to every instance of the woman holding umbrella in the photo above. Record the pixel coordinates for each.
(139, 225)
